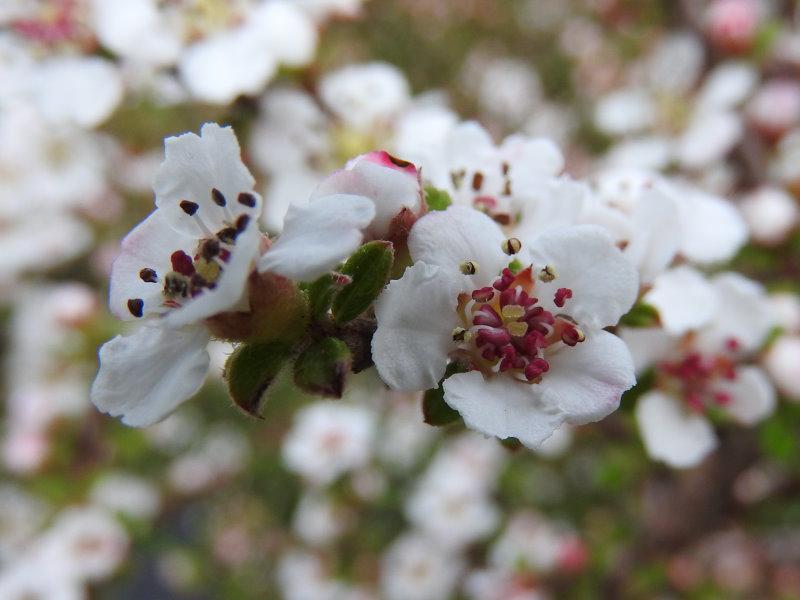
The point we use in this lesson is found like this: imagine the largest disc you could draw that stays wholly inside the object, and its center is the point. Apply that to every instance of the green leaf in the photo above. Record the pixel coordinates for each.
(369, 269)
(437, 199)
(323, 367)
(640, 315)
(435, 411)
(251, 369)
(321, 294)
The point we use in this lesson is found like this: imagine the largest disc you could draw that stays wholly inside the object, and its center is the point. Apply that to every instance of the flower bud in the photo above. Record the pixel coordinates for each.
(323, 367)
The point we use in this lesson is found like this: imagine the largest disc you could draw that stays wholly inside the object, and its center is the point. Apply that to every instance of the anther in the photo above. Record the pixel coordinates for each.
(218, 197)
(461, 335)
(468, 267)
(136, 307)
(511, 246)
(483, 294)
(477, 181)
(189, 207)
(241, 223)
(182, 263)
(247, 199)
(561, 296)
(148, 275)
(512, 311)
(209, 249)
(572, 335)
(227, 235)
(548, 274)
(517, 328)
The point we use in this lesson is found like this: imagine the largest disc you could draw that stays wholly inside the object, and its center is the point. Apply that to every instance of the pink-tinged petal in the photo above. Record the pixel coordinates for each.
(148, 246)
(144, 376)
(752, 396)
(604, 285)
(670, 433)
(549, 203)
(416, 316)
(656, 234)
(648, 345)
(391, 189)
(743, 314)
(712, 229)
(685, 300)
(502, 407)
(447, 238)
(318, 236)
(196, 165)
(586, 382)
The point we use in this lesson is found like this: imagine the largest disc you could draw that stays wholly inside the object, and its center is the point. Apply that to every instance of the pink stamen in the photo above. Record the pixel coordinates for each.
(561, 296)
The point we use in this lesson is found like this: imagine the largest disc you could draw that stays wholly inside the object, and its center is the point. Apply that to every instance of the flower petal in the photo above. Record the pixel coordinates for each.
(390, 189)
(449, 237)
(604, 285)
(193, 167)
(144, 376)
(548, 203)
(586, 382)
(683, 298)
(318, 236)
(752, 395)
(648, 345)
(416, 315)
(502, 407)
(656, 234)
(672, 435)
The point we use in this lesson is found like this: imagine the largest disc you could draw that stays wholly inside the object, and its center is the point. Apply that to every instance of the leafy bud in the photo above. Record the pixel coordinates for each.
(437, 199)
(369, 269)
(641, 315)
(323, 367)
(250, 370)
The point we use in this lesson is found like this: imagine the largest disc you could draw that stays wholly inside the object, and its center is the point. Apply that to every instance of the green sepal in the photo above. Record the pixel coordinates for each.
(321, 294)
(437, 199)
(435, 411)
(322, 368)
(251, 369)
(369, 269)
(641, 315)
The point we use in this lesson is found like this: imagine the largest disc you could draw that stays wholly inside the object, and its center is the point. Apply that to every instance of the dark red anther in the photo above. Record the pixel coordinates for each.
(536, 368)
(509, 360)
(224, 254)
(493, 337)
(483, 295)
(561, 296)
(505, 280)
(182, 263)
(571, 335)
(486, 315)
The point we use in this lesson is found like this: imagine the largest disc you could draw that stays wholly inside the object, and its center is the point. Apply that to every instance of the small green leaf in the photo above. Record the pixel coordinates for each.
(369, 269)
(251, 369)
(437, 199)
(640, 315)
(322, 292)
(435, 411)
(323, 367)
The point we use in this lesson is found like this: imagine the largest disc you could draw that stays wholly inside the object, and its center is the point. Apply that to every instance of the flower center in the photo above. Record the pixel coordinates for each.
(505, 330)
(695, 376)
(190, 276)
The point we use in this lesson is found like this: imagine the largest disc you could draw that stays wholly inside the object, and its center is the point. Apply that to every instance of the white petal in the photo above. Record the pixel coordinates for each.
(656, 236)
(603, 283)
(318, 236)
(149, 245)
(447, 238)
(713, 231)
(144, 376)
(586, 382)
(648, 345)
(743, 313)
(390, 189)
(782, 362)
(502, 407)
(193, 166)
(290, 35)
(683, 298)
(752, 395)
(727, 85)
(548, 203)
(708, 138)
(416, 316)
(671, 434)
(530, 157)
(625, 111)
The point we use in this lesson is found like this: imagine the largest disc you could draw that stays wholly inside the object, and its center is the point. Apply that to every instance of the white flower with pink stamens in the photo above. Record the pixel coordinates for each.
(701, 364)
(188, 261)
(531, 339)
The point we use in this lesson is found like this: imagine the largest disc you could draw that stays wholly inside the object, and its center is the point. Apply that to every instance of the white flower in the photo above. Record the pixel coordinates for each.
(127, 494)
(416, 568)
(700, 362)
(366, 95)
(531, 542)
(329, 439)
(318, 520)
(771, 214)
(189, 260)
(533, 341)
(781, 362)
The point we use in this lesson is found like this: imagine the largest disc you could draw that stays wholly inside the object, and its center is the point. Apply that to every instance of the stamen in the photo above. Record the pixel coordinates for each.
(175, 285)
(242, 222)
(148, 275)
(536, 368)
(477, 181)
(209, 249)
(468, 267)
(548, 274)
(461, 335)
(247, 199)
(483, 294)
(511, 246)
(512, 311)
(227, 235)
(189, 207)
(572, 335)
(457, 177)
(517, 328)
(218, 197)
(561, 296)
(182, 263)
(136, 307)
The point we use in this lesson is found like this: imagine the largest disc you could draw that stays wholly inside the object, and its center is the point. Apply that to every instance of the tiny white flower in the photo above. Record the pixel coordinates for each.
(416, 568)
(533, 340)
